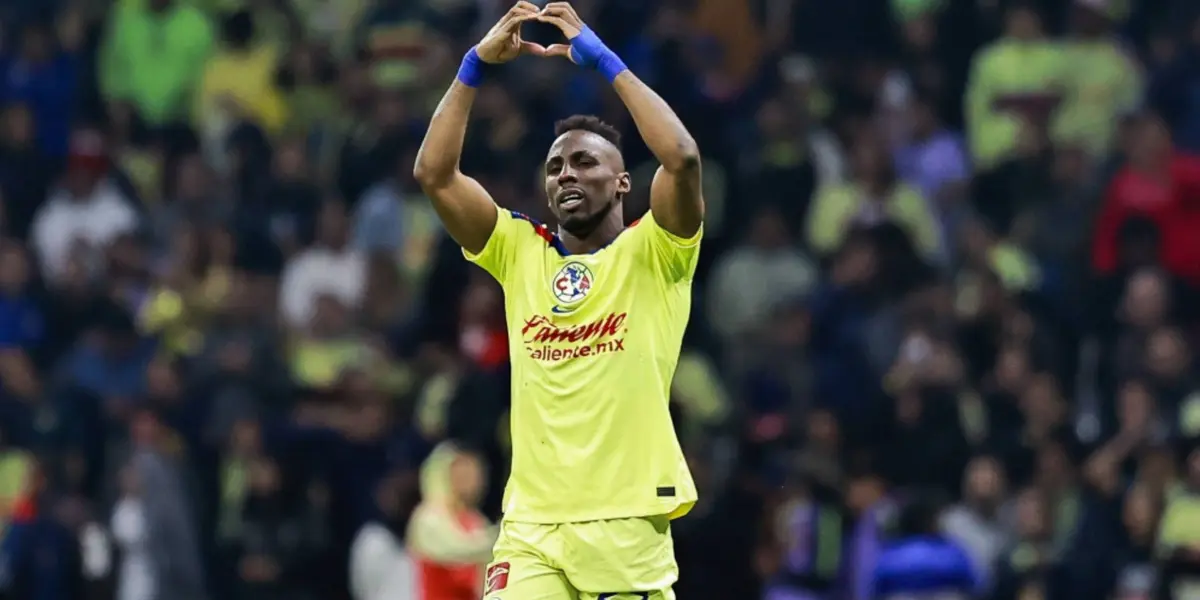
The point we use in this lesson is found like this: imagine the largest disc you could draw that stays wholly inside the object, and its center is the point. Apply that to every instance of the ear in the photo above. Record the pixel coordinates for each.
(624, 183)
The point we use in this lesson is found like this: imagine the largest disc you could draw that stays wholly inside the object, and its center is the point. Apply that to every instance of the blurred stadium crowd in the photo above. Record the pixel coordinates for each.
(949, 287)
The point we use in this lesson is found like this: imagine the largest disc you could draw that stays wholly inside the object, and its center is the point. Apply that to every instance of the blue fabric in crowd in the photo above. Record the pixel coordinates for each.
(923, 565)
(49, 92)
(39, 561)
(110, 376)
(21, 323)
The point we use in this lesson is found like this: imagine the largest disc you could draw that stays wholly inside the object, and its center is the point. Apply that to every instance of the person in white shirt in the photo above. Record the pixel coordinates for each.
(979, 523)
(380, 566)
(86, 213)
(129, 529)
(330, 267)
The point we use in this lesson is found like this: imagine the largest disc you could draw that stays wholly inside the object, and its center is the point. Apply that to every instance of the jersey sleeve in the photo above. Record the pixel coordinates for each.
(674, 256)
(500, 252)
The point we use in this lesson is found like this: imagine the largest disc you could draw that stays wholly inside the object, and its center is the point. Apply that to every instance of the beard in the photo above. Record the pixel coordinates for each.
(582, 227)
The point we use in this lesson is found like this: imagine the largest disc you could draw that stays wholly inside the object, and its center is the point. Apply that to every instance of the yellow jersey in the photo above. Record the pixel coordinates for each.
(594, 340)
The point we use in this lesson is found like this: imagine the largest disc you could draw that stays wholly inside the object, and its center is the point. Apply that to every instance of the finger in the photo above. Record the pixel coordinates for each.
(568, 30)
(514, 23)
(562, 50)
(534, 49)
(570, 10)
(523, 7)
(563, 11)
(518, 10)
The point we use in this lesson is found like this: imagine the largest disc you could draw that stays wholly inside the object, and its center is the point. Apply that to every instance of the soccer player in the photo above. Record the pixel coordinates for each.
(596, 313)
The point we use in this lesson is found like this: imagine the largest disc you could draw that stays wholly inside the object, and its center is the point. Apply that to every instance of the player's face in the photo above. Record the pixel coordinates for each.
(585, 178)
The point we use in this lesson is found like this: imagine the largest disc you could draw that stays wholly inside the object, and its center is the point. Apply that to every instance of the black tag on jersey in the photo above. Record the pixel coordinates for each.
(666, 492)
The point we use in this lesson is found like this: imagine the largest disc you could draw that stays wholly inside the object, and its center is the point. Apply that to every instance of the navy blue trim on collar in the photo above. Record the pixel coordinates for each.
(551, 237)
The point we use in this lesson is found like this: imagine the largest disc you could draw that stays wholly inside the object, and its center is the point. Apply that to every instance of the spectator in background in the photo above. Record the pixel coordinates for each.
(736, 44)
(872, 196)
(192, 199)
(286, 207)
(45, 78)
(331, 23)
(921, 563)
(380, 566)
(1014, 85)
(785, 170)
(1175, 65)
(330, 267)
(1161, 185)
(307, 80)
(238, 84)
(423, 232)
(448, 538)
(1030, 564)
(1101, 81)
(240, 446)
(1135, 571)
(16, 473)
(108, 367)
(1056, 226)
(40, 553)
(979, 523)
(26, 172)
(330, 345)
(172, 540)
(874, 511)
(934, 161)
(1179, 532)
(807, 536)
(152, 56)
(22, 327)
(86, 214)
(399, 39)
(130, 532)
(371, 129)
(277, 545)
(751, 282)
(378, 218)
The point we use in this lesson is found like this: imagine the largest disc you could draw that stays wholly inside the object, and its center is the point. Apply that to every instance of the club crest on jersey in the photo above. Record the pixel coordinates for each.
(572, 283)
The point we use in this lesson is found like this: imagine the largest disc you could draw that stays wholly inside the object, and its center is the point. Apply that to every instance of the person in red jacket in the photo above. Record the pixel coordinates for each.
(448, 538)
(1162, 186)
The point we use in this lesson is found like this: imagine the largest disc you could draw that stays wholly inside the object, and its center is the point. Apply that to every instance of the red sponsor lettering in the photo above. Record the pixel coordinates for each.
(540, 329)
(545, 340)
(497, 578)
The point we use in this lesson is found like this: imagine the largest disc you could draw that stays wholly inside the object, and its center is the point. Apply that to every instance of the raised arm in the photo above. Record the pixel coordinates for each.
(675, 197)
(466, 209)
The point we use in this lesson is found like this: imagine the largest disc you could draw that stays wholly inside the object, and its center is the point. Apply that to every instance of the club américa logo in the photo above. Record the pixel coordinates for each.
(572, 283)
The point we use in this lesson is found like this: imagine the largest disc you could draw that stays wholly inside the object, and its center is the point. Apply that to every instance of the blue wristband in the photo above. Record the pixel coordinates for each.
(472, 69)
(587, 50)
(610, 65)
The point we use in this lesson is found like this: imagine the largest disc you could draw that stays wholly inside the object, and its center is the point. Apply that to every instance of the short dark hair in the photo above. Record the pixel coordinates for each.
(591, 124)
